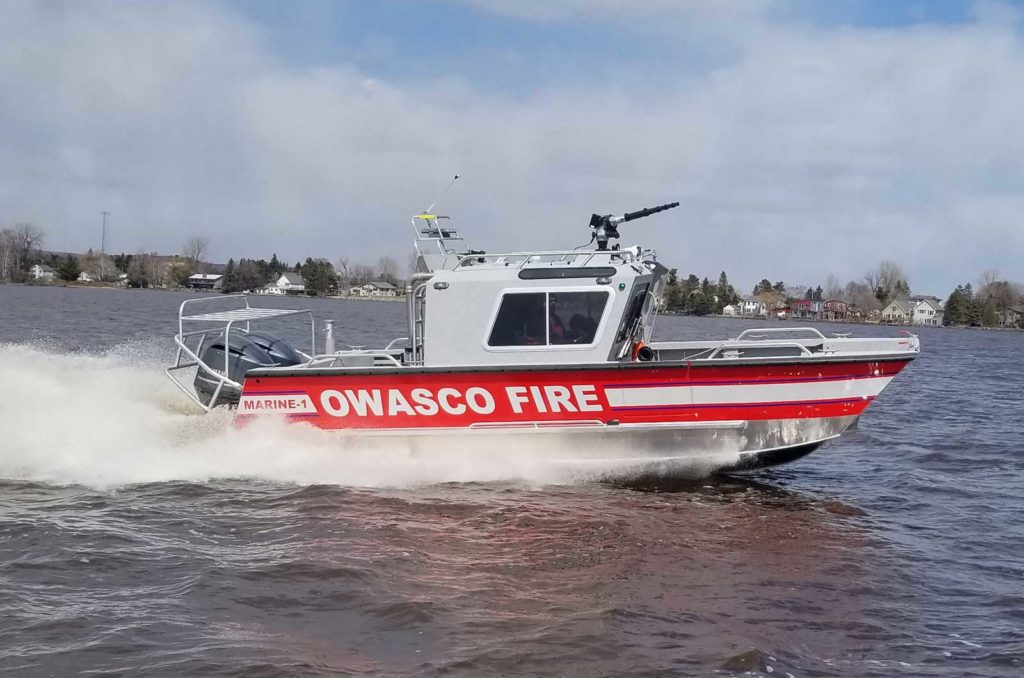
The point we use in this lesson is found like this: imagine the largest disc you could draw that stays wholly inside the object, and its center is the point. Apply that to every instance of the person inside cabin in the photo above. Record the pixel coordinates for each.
(534, 326)
(557, 334)
(582, 328)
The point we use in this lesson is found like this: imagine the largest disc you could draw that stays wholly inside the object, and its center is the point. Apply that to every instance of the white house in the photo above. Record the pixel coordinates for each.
(85, 277)
(375, 289)
(916, 311)
(1011, 317)
(729, 309)
(927, 311)
(288, 282)
(42, 272)
(205, 281)
(753, 307)
(898, 311)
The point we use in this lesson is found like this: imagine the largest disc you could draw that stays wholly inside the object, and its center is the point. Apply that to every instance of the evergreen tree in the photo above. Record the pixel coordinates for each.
(319, 277)
(956, 308)
(68, 270)
(122, 261)
(252, 275)
(988, 313)
(691, 285)
(229, 283)
(702, 303)
(724, 288)
(976, 312)
(764, 286)
(673, 297)
(275, 268)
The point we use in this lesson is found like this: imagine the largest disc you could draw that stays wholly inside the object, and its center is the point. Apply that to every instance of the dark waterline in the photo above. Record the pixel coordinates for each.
(894, 552)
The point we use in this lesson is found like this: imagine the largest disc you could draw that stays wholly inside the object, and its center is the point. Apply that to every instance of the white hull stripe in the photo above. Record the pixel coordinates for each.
(661, 396)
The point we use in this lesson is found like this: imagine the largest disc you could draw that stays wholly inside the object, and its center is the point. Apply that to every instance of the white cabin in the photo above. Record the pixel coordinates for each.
(289, 282)
(42, 272)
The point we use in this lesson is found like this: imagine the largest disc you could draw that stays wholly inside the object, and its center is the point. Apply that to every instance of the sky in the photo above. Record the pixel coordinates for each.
(802, 138)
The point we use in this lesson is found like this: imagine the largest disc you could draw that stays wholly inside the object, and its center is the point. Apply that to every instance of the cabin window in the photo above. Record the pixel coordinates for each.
(548, 318)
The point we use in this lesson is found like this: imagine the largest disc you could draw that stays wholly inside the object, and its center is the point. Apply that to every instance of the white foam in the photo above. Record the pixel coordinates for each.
(114, 419)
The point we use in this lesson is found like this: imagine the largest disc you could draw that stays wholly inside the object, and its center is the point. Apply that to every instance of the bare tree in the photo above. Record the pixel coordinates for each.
(343, 269)
(361, 274)
(988, 280)
(894, 280)
(873, 280)
(6, 254)
(833, 288)
(387, 267)
(1002, 293)
(195, 250)
(888, 282)
(862, 295)
(16, 247)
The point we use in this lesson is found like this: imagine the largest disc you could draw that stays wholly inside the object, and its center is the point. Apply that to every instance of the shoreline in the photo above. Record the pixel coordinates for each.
(110, 286)
(402, 299)
(809, 321)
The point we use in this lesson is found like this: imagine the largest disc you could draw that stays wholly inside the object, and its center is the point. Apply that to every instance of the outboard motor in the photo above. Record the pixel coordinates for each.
(245, 351)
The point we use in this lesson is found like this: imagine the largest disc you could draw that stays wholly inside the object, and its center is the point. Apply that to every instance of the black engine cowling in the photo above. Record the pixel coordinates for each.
(244, 351)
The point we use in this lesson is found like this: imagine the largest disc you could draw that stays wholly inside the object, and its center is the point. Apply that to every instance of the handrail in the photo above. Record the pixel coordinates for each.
(779, 330)
(341, 355)
(758, 344)
(471, 260)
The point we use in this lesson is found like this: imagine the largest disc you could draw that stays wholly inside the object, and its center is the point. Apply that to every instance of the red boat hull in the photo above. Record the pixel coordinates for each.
(410, 399)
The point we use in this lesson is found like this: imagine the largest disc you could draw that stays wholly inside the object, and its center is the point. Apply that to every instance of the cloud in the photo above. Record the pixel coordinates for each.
(696, 10)
(813, 151)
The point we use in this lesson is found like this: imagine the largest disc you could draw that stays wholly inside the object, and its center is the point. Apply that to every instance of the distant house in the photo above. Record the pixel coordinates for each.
(1011, 317)
(927, 311)
(729, 309)
(898, 311)
(805, 309)
(375, 289)
(85, 277)
(835, 309)
(752, 307)
(290, 282)
(42, 272)
(205, 281)
(917, 311)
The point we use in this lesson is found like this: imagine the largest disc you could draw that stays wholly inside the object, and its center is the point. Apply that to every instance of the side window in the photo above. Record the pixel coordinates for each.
(573, 317)
(520, 321)
(540, 318)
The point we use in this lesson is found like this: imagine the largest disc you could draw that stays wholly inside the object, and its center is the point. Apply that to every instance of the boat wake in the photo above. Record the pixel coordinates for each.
(112, 419)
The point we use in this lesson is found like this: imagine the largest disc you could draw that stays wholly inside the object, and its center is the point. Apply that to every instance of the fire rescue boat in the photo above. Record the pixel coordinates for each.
(549, 347)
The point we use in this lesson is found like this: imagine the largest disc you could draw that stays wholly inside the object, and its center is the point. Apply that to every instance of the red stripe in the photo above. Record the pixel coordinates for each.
(744, 412)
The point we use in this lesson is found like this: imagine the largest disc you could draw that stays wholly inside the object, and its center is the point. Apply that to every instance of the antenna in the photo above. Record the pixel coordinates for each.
(450, 183)
(103, 238)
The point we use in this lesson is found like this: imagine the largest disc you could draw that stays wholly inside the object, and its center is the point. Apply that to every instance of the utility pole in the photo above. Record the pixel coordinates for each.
(103, 240)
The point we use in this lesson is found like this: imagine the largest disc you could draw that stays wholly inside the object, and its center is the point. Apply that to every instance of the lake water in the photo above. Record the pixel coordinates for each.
(139, 538)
